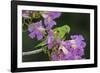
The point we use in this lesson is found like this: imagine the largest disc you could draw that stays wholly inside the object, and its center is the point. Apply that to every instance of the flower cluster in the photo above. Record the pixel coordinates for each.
(69, 49)
(60, 49)
(36, 30)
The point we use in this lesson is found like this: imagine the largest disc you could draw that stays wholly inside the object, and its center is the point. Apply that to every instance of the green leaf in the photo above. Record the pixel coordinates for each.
(62, 30)
(42, 43)
(47, 51)
(36, 15)
(44, 50)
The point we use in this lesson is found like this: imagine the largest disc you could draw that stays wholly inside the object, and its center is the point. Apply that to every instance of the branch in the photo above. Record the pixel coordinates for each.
(32, 52)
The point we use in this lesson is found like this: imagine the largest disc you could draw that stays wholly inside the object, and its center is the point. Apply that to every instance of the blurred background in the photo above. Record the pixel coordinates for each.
(79, 24)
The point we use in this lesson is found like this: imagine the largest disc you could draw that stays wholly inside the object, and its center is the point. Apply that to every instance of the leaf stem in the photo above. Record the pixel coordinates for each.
(32, 52)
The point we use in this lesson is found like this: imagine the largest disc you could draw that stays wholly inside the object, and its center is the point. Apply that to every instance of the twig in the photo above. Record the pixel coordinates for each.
(32, 52)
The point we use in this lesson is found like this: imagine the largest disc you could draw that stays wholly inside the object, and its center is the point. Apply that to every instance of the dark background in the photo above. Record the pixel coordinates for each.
(79, 24)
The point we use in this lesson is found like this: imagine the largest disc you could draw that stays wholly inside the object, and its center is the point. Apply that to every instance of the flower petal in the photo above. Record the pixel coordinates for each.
(32, 35)
(54, 15)
(39, 35)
